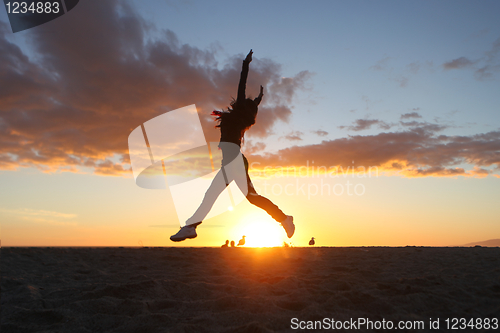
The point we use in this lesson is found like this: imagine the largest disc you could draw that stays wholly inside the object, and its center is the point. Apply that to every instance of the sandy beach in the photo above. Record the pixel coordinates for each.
(242, 289)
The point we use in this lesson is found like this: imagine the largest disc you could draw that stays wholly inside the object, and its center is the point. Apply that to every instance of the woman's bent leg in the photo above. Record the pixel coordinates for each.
(267, 205)
(258, 200)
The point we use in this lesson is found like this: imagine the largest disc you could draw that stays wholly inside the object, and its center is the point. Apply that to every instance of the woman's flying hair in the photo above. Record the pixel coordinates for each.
(240, 114)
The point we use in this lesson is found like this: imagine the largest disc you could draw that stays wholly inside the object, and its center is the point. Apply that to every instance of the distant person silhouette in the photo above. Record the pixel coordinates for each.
(312, 242)
(232, 244)
(242, 241)
(226, 245)
(233, 124)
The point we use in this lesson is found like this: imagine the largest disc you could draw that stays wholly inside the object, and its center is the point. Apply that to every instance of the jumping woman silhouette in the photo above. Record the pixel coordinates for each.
(233, 124)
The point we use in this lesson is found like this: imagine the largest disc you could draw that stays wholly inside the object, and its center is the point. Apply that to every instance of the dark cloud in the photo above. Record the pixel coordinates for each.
(486, 72)
(320, 133)
(494, 52)
(402, 81)
(363, 124)
(87, 83)
(411, 115)
(423, 126)
(416, 152)
(294, 136)
(458, 63)
(414, 67)
(381, 64)
(251, 148)
(485, 67)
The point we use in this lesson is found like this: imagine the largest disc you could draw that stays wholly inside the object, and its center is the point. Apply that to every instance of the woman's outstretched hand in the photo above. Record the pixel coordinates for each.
(249, 56)
(259, 98)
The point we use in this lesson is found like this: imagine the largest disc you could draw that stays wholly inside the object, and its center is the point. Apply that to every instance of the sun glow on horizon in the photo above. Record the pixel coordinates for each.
(261, 233)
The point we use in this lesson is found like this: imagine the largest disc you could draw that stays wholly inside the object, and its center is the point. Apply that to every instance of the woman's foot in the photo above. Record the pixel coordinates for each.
(288, 226)
(188, 231)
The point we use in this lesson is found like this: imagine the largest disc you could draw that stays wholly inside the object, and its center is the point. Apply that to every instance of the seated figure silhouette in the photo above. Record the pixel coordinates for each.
(232, 243)
(312, 242)
(226, 245)
(233, 123)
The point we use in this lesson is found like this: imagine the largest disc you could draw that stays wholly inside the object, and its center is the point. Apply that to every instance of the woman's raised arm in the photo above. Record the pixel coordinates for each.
(243, 77)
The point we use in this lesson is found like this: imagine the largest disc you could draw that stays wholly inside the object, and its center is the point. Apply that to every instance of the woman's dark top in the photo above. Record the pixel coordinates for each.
(232, 126)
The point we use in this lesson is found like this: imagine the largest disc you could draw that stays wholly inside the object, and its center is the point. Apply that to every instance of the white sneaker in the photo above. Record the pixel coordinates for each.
(288, 226)
(188, 231)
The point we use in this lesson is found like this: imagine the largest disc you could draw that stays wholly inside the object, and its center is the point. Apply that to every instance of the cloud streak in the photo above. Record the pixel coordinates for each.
(320, 133)
(458, 63)
(364, 124)
(294, 136)
(41, 216)
(484, 68)
(416, 152)
(411, 115)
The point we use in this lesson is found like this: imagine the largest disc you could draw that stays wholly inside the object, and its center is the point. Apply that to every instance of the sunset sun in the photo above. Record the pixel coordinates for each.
(261, 233)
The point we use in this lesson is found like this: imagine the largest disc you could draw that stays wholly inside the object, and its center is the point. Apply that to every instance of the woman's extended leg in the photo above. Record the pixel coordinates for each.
(226, 174)
(224, 177)
(189, 230)
(216, 187)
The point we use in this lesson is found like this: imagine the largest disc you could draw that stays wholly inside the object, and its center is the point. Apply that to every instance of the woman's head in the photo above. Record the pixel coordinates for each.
(247, 110)
(241, 114)
(250, 106)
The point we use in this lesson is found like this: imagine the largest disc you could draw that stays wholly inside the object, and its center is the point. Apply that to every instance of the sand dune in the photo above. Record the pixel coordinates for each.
(240, 289)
